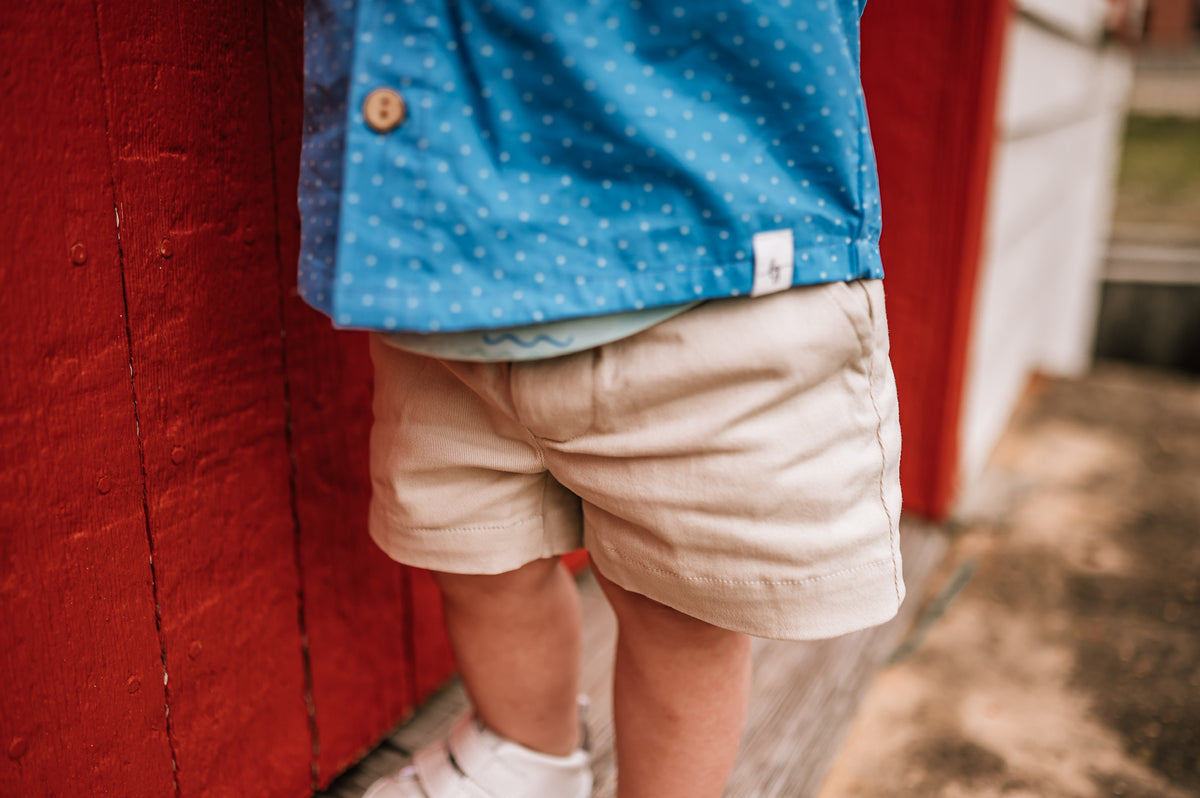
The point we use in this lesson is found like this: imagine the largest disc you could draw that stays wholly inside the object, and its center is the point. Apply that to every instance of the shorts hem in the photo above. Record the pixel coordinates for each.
(477, 549)
(811, 608)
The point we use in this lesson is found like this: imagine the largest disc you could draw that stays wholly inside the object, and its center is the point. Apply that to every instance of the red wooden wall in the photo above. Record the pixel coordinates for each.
(190, 603)
(931, 73)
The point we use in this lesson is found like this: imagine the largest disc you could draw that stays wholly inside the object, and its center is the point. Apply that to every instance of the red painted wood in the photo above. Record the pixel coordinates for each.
(368, 625)
(356, 600)
(82, 708)
(576, 561)
(189, 122)
(433, 662)
(931, 75)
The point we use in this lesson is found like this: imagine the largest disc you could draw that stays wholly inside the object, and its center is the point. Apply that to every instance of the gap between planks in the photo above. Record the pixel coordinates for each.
(804, 697)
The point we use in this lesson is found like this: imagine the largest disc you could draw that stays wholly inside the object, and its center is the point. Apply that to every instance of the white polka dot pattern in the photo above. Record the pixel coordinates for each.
(573, 158)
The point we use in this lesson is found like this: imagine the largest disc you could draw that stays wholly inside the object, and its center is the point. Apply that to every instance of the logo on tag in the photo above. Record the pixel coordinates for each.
(774, 261)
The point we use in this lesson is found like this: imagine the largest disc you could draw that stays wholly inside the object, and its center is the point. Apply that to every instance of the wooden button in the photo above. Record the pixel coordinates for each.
(384, 110)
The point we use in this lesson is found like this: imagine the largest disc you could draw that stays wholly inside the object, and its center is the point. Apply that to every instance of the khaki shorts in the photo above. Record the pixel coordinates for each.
(738, 462)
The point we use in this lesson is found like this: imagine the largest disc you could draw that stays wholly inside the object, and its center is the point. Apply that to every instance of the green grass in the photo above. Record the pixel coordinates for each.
(1158, 192)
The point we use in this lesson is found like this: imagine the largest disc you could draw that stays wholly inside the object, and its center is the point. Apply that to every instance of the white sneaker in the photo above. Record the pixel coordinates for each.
(475, 762)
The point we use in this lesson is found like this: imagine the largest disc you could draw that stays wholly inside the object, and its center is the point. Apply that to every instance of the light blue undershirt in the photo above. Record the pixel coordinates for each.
(534, 341)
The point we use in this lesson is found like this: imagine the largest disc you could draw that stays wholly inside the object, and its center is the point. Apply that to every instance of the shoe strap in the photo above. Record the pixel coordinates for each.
(439, 778)
(504, 768)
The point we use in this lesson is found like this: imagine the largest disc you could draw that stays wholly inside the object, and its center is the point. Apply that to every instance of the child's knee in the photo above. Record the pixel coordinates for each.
(643, 617)
(530, 579)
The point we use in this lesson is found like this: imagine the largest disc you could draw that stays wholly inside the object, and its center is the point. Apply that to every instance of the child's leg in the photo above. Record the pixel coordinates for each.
(516, 637)
(681, 684)
(680, 694)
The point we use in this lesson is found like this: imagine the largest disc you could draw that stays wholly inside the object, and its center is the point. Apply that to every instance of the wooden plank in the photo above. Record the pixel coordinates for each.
(1036, 177)
(931, 76)
(1081, 20)
(82, 709)
(1029, 103)
(1039, 284)
(369, 626)
(1072, 277)
(805, 694)
(804, 698)
(190, 141)
(1050, 209)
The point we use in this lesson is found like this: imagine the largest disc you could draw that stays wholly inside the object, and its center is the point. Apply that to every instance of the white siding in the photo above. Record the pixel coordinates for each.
(1060, 115)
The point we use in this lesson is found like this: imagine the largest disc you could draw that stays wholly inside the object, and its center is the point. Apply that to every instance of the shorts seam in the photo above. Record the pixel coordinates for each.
(853, 315)
(511, 411)
(726, 581)
(480, 528)
(871, 386)
(545, 488)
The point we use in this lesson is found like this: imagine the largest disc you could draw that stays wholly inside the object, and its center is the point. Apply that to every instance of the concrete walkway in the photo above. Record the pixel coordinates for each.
(1069, 665)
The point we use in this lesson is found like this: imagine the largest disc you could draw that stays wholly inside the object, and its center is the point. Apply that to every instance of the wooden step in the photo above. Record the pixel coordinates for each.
(804, 696)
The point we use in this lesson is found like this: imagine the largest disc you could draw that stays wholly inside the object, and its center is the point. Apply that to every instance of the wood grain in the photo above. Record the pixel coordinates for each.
(81, 664)
(190, 144)
(376, 644)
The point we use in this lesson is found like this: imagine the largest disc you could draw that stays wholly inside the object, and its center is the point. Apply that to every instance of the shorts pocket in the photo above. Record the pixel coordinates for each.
(854, 300)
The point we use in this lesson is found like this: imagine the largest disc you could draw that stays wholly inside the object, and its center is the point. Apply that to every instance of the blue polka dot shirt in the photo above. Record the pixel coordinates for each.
(472, 164)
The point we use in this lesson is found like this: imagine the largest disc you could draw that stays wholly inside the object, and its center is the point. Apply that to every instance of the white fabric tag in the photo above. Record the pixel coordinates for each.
(774, 261)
